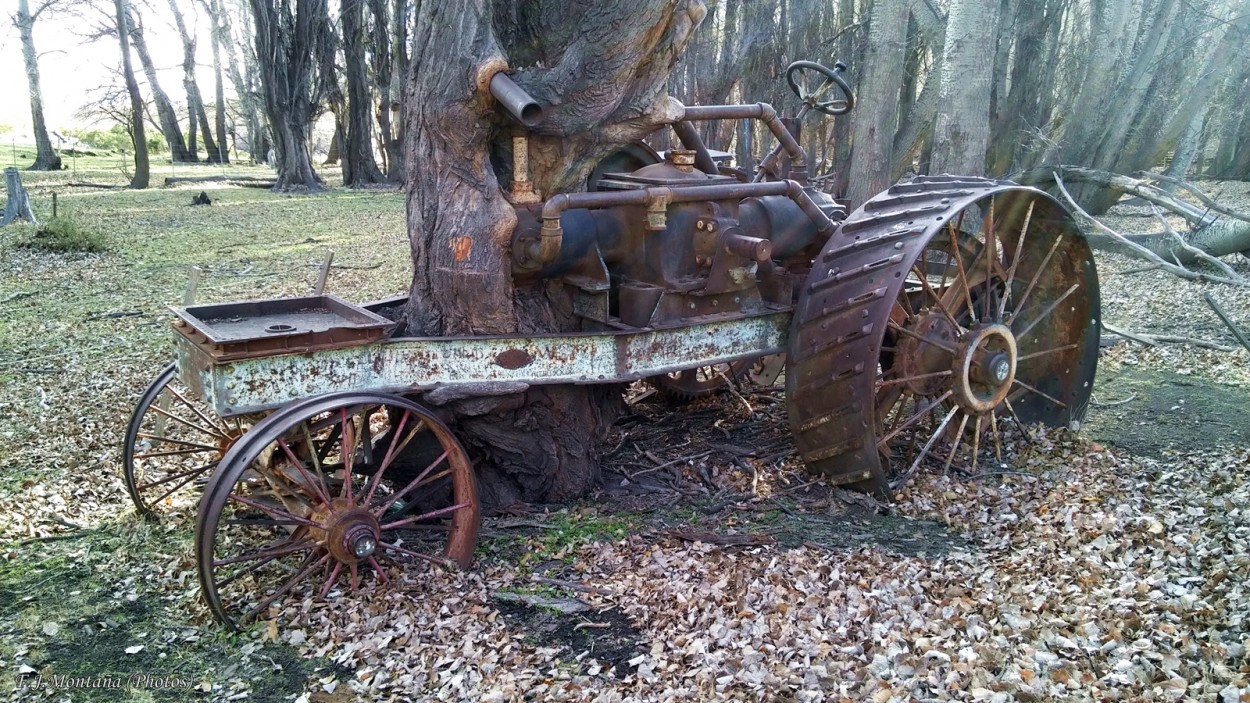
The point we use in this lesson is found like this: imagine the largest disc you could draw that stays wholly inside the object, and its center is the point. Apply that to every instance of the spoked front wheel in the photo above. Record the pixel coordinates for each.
(172, 444)
(325, 493)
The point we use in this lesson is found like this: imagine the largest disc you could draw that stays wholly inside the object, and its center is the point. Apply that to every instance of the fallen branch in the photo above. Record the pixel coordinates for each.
(1193, 250)
(1143, 252)
(87, 184)
(1094, 401)
(1151, 340)
(1227, 320)
(1211, 203)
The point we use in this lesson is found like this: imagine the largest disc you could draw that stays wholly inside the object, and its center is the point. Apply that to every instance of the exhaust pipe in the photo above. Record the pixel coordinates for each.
(520, 104)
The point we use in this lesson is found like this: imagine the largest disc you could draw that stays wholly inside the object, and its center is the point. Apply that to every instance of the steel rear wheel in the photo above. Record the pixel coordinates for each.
(938, 310)
(173, 441)
(327, 493)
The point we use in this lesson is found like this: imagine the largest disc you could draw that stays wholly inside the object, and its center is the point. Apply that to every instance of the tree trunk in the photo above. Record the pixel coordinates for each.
(195, 102)
(46, 158)
(164, 109)
(288, 36)
(219, 86)
(600, 70)
(1186, 150)
(137, 133)
(358, 151)
(877, 107)
(962, 129)
(383, 76)
(257, 144)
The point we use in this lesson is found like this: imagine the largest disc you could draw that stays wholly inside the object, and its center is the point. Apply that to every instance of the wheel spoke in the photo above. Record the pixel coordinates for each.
(1044, 352)
(179, 485)
(1015, 262)
(179, 442)
(377, 569)
(991, 255)
(424, 516)
(998, 446)
(1029, 388)
(976, 444)
(411, 484)
(912, 420)
(393, 451)
(937, 299)
(349, 452)
(271, 510)
(211, 422)
(963, 422)
(1049, 309)
(966, 288)
(282, 549)
(316, 458)
(174, 477)
(294, 581)
(330, 580)
(1037, 275)
(909, 379)
(932, 342)
(440, 561)
(188, 423)
(299, 466)
(251, 569)
(173, 452)
(929, 444)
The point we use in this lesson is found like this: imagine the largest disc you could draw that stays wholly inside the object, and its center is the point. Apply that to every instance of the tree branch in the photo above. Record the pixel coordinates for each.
(1141, 251)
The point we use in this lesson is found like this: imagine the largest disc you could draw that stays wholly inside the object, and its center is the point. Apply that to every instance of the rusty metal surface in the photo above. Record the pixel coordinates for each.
(281, 325)
(253, 385)
(840, 322)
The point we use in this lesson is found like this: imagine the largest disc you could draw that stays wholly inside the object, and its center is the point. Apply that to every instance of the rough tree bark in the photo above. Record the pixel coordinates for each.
(359, 166)
(600, 68)
(137, 134)
(287, 34)
(46, 158)
(876, 108)
(168, 119)
(961, 131)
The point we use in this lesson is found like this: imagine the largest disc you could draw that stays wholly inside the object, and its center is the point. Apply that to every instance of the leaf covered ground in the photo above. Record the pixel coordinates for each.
(1091, 568)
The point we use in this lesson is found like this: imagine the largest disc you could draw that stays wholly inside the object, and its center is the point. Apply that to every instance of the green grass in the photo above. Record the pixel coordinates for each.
(62, 235)
(81, 334)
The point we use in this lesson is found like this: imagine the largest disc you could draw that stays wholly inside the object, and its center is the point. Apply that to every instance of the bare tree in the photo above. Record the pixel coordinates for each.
(46, 158)
(219, 87)
(137, 133)
(359, 166)
(168, 118)
(288, 33)
(601, 69)
(195, 102)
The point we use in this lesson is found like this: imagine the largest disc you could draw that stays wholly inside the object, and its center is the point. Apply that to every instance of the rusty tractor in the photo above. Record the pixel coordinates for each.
(913, 329)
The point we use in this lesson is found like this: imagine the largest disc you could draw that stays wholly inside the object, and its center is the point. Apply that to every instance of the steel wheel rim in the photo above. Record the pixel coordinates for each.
(689, 384)
(273, 524)
(172, 442)
(1011, 309)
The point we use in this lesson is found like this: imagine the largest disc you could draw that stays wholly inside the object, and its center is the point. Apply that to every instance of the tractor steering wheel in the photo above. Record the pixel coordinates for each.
(796, 76)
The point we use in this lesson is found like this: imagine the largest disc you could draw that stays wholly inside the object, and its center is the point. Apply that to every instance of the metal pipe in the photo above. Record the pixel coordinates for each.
(515, 100)
(766, 114)
(552, 234)
(689, 138)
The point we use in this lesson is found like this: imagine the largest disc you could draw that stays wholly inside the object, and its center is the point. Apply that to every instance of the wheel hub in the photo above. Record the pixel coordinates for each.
(349, 532)
(920, 354)
(984, 368)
